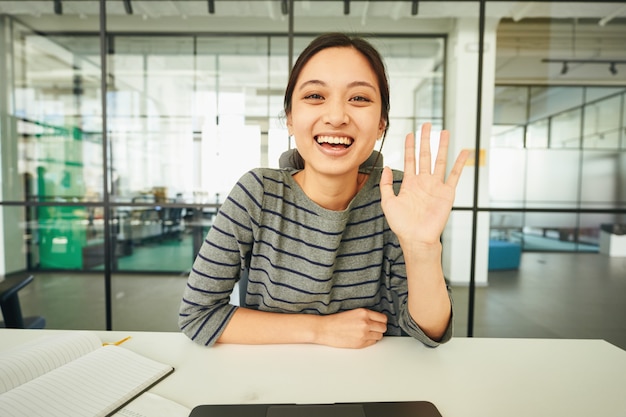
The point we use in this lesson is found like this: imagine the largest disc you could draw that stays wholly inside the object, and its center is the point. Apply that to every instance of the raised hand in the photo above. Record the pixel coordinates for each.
(418, 214)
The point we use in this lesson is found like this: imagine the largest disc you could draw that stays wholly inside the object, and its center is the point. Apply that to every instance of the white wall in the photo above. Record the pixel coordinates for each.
(12, 243)
(11, 237)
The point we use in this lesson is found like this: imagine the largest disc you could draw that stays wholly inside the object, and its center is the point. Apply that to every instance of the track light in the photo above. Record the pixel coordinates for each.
(128, 7)
(415, 7)
(58, 7)
(346, 7)
(565, 62)
(284, 7)
(211, 6)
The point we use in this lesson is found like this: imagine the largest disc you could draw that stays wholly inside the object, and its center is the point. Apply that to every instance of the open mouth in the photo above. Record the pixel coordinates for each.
(334, 141)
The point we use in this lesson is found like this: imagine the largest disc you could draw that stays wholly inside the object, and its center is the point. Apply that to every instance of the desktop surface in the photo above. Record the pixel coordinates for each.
(466, 377)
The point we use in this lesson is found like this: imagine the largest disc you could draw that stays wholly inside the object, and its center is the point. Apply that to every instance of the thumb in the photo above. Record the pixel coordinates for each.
(386, 184)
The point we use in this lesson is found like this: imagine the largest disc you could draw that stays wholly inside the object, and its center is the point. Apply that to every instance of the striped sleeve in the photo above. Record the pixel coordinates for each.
(205, 309)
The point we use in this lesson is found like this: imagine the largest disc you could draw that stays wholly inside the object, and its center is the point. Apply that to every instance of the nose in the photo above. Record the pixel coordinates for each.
(335, 113)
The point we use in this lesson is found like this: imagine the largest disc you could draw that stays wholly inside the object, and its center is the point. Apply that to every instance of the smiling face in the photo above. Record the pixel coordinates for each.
(336, 112)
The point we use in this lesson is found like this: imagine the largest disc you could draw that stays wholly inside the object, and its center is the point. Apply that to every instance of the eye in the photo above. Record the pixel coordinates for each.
(361, 99)
(313, 96)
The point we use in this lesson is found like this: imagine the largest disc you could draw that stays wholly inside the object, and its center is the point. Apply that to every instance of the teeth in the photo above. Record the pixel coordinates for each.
(334, 140)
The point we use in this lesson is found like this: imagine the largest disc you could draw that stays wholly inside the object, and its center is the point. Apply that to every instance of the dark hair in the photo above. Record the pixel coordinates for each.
(332, 40)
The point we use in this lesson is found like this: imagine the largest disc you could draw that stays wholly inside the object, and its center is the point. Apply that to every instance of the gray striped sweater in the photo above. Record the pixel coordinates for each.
(301, 258)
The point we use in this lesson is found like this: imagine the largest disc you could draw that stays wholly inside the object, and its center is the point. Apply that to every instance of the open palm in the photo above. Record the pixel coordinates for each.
(418, 214)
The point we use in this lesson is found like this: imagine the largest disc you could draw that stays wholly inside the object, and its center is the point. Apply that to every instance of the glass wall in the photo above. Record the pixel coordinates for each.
(124, 125)
(575, 144)
(556, 172)
(51, 142)
(192, 99)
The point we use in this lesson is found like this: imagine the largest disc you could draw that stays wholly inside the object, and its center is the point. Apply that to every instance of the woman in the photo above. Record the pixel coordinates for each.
(340, 252)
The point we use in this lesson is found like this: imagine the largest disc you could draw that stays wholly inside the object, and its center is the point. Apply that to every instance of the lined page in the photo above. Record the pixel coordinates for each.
(152, 405)
(28, 361)
(96, 384)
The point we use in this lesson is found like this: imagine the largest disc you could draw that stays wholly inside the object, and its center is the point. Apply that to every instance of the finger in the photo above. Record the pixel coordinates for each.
(409, 154)
(378, 317)
(375, 336)
(424, 160)
(442, 155)
(386, 184)
(378, 327)
(457, 169)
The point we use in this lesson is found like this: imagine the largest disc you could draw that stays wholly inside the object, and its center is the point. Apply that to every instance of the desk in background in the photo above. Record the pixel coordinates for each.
(467, 377)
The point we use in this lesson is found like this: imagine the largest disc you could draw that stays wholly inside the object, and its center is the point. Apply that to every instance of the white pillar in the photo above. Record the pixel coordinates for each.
(460, 116)
(12, 249)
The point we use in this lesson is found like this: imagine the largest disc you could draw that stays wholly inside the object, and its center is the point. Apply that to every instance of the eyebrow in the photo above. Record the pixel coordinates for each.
(350, 85)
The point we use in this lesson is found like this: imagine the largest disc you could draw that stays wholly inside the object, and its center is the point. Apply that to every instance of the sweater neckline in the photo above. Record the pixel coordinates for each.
(306, 202)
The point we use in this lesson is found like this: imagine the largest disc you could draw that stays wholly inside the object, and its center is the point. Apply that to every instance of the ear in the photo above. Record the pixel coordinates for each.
(381, 127)
(289, 123)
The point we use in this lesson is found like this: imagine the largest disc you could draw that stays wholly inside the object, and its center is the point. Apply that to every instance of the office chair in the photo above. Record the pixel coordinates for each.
(10, 305)
(172, 217)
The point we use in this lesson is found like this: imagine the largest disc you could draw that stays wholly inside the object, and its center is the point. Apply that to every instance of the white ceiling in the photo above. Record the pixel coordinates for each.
(525, 36)
(604, 12)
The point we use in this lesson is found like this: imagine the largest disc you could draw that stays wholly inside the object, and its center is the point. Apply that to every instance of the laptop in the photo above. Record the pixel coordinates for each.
(364, 409)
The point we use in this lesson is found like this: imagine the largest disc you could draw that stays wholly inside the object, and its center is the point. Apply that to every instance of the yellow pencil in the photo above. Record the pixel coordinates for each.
(119, 342)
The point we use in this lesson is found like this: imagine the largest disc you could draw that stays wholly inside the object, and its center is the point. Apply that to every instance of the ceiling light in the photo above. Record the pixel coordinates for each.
(611, 16)
(415, 7)
(128, 7)
(58, 7)
(578, 62)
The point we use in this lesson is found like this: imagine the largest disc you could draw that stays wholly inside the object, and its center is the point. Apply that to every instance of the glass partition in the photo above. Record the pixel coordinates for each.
(537, 135)
(190, 108)
(62, 244)
(51, 144)
(57, 115)
(602, 122)
(566, 129)
(134, 174)
(563, 88)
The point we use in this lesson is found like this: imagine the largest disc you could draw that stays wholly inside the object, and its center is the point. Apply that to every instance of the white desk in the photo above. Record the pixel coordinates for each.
(465, 377)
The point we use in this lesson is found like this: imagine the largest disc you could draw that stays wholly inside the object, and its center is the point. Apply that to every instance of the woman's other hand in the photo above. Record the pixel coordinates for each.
(357, 328)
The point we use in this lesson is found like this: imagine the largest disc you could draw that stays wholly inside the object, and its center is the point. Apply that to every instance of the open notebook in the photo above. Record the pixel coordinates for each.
(72, 374)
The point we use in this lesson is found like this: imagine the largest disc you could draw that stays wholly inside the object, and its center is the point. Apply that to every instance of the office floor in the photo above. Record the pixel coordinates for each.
(552, 295)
